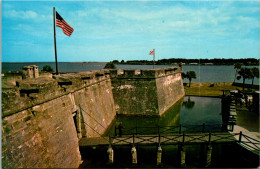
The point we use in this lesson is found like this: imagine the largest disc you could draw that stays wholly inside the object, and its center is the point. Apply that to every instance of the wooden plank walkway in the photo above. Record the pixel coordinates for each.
(173, 139)
(94, 141)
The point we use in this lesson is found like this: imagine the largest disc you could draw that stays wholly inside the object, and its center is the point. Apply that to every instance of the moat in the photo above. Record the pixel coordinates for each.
(190, 110)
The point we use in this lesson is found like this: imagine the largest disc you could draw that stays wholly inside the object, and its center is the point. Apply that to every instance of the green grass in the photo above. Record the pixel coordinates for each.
(204, 89)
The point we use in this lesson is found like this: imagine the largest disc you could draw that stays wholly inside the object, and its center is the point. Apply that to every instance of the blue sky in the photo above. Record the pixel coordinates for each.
(128, 30)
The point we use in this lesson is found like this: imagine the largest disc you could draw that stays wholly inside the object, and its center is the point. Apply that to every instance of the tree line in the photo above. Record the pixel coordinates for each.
(215, 61)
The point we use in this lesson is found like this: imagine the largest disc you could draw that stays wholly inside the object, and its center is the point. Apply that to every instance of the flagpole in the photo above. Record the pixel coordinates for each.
(153, 57)
(55, 48)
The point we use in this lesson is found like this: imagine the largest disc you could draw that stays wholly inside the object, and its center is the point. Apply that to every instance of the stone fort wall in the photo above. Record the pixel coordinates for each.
(146, 92)
(43, 118)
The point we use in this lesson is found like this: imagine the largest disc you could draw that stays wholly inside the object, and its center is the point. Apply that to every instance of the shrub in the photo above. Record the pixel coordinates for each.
(47, 68)
(110, 65)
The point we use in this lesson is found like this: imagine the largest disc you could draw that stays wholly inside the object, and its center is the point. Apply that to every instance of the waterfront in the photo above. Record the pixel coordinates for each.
(205, 73)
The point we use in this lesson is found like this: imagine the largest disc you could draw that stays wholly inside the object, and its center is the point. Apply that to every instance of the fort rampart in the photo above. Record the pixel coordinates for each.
(43, 117)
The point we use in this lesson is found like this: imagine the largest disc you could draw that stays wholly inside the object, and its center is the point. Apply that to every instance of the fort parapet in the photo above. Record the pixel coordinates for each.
(44, 116)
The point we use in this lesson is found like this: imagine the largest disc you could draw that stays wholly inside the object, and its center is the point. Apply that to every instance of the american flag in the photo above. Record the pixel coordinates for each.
(60, 22)
(151, 52)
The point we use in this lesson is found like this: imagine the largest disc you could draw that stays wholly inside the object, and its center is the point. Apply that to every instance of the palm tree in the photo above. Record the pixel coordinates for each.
(237, 66)
(190, 75)
(245, 73)
(255, 73)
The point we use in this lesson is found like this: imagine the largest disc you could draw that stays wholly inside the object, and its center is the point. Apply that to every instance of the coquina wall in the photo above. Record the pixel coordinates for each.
(43, 119)
(169, 89)
(146, 92)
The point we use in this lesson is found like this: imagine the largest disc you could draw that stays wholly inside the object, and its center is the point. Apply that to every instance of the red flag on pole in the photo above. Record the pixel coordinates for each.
(60, 22)
(151, 52)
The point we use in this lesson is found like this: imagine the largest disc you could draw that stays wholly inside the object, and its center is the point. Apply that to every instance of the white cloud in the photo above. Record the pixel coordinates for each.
(20, 14)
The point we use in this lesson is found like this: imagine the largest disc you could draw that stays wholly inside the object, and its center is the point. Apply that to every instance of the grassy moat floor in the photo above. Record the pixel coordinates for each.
(213, 89)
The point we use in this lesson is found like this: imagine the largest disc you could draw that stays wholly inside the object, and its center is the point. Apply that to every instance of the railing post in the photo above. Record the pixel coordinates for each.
(158, 130)
(209, 138)
(181, 155)
(183, 137)
(180, 128)
(134, 153)
(135, 130)
(159, 155)
(110, 152)
(159, 151)
(208, 155)
(240, 137)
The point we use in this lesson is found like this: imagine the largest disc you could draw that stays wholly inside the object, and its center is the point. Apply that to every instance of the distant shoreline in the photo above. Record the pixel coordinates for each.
(172, 61)
(54, 62)
(202, 64)
(183, 61)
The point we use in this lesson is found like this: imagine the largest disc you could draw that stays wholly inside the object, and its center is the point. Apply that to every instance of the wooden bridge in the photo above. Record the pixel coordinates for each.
(168, 137)
(173, 135)
(172, 139)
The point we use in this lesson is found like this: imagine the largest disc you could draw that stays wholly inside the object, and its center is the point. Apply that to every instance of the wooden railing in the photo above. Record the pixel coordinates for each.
(173, 129)
(183, 138)
(248, 142)
(186, 138)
